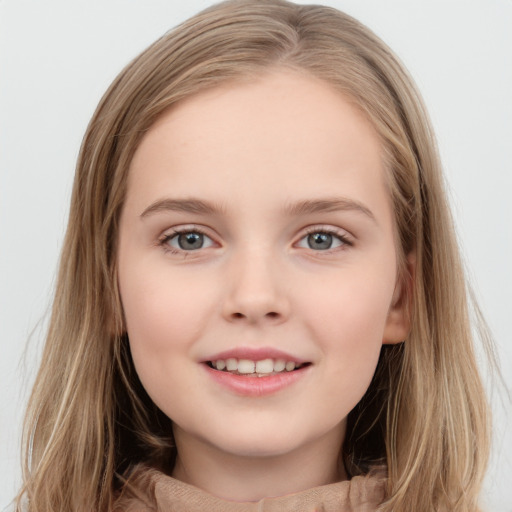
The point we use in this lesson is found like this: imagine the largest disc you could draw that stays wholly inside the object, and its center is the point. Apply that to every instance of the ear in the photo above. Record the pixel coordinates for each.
(398, 322)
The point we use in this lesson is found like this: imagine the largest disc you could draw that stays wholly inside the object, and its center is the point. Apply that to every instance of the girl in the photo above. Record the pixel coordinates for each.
(260, 304)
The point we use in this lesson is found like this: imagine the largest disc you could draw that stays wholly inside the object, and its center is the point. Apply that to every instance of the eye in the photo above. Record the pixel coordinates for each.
(323, 240)
(186, 240)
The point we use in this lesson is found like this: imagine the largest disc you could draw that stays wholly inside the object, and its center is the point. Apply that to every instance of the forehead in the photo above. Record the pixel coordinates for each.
(284, 135)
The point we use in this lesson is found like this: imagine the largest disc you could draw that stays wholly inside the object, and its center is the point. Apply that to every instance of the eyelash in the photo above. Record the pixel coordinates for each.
(343, 238)
(165, 239)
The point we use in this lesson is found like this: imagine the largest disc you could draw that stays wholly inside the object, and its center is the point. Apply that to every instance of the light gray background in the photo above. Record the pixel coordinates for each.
(58, 56)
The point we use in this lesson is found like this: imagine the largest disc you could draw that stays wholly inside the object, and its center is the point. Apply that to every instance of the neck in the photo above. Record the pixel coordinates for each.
(249, 478)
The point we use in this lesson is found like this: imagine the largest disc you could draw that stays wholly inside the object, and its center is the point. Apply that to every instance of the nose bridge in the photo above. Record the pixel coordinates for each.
(255, 290)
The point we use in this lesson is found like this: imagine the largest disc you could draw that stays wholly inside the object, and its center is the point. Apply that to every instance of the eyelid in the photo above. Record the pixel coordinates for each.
(342, 235)
(347, 240)
(173, 232)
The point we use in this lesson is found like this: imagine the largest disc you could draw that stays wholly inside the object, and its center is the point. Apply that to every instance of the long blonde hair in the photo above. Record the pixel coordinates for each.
(425, 415)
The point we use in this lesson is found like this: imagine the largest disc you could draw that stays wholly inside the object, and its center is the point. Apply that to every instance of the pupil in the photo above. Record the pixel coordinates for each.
(320, 241)
(190, 241)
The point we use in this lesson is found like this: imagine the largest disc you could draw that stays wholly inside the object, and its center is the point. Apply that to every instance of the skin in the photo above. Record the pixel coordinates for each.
(252, 149)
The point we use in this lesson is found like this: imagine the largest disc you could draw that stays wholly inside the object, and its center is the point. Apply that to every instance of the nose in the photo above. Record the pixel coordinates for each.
(256, 290)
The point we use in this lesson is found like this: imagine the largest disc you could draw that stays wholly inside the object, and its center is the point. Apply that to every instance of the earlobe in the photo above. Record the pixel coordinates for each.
(398, 323)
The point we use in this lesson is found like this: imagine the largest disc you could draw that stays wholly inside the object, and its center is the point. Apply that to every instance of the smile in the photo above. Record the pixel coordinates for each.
(254, 372)
(262, 368)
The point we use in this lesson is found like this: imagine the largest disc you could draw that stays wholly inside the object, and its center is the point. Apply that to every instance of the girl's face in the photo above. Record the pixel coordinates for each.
(257, 233)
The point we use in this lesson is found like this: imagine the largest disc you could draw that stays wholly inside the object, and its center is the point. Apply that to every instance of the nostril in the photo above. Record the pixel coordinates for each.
(271, 314)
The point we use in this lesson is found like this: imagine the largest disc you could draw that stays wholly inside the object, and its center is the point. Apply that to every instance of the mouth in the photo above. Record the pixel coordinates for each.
(261, 368)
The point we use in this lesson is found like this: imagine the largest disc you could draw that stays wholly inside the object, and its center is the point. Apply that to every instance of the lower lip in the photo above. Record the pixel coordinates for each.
(256, 386)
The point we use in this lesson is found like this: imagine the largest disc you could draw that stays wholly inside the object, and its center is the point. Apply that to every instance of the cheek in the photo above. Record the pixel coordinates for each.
(163, 321)
(164, 317)
(348, 320)
(159, 307)
(352, 308)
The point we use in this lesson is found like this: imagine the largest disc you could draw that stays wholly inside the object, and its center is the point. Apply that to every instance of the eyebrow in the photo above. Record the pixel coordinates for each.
(305, 207)
(182, 205)
(327, 205)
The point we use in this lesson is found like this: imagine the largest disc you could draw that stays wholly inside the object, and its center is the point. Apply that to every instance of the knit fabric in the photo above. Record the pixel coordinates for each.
(149, 490)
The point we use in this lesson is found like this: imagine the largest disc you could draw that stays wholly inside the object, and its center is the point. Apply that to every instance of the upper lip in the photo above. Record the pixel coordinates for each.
(255, 354)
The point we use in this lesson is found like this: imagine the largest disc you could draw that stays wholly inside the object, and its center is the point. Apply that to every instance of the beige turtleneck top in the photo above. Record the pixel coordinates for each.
(152, 491)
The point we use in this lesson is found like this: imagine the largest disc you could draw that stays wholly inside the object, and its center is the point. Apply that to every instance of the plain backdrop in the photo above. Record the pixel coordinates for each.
(57, 57)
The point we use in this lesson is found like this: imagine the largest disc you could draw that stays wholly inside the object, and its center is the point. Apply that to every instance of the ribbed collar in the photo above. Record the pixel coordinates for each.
(152, 491)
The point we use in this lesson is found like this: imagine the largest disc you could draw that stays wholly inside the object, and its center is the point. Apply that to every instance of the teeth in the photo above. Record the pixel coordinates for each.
(247, 367)
(265, 366)
(279, 365)
(231, 365)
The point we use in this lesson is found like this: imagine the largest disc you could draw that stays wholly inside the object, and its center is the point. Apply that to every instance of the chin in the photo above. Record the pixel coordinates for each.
(257, 441)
